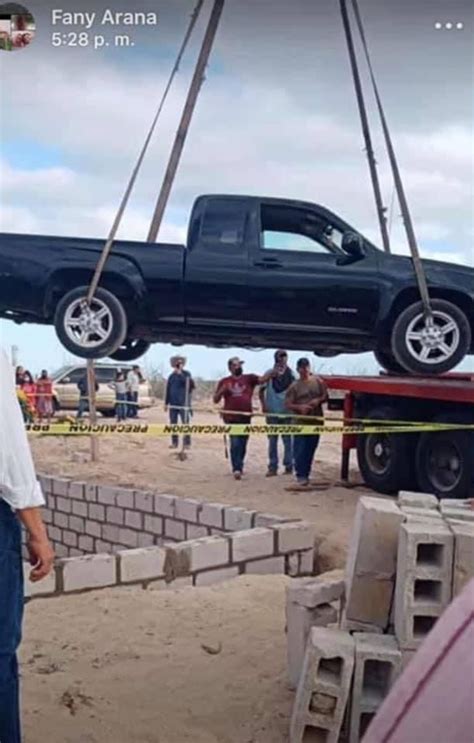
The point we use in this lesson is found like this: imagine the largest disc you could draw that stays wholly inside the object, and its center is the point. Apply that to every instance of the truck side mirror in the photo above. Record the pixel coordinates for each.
(353, 244)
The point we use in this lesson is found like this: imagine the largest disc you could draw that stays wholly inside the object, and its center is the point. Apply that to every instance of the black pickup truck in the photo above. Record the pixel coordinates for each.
(255, 272)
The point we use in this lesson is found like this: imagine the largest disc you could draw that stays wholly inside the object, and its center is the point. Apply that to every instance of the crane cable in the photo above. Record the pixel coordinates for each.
(402, 200)
(118, 218)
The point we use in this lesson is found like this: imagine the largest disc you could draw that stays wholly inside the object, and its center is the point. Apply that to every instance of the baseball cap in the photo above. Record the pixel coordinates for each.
(280, 352)
(235, 360)
(302, 362)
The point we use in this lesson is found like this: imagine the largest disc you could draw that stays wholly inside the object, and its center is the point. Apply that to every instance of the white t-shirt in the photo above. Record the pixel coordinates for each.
(18, 484)
(133, 382)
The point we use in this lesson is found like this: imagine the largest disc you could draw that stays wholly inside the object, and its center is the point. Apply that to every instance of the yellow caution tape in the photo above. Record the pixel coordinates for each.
(235, 429)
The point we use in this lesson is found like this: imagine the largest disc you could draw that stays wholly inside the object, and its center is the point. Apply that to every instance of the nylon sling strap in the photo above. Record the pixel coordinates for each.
(118, 218)
(407, 221)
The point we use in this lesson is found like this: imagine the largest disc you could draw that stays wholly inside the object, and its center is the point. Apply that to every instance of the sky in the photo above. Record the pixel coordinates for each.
(277, 116)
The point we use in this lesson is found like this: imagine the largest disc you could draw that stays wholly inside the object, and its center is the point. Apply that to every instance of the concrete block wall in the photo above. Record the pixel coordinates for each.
(107, 535)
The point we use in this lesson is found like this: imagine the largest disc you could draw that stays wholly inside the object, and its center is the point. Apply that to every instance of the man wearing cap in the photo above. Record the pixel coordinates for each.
(179, 388)
(236, 391)
(305, 398)
(272, 398)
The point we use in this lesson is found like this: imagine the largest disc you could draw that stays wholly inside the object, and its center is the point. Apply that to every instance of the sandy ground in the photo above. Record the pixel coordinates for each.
(128, 665)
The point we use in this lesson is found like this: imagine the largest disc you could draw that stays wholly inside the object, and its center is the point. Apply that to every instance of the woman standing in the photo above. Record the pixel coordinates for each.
(120, 387)
(28, 386)
(44, 396)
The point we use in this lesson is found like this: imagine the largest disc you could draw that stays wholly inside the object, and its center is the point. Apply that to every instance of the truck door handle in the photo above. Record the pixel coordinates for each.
(268, 263)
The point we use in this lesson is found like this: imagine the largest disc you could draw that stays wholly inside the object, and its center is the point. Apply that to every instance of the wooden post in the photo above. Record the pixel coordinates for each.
(186, 116)
(92, 408)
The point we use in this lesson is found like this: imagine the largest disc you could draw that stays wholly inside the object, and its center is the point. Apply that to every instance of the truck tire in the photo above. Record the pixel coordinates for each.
(90, 333)
(130, 350)
(424, 349)
(445, 461)
(388, 362)
(386, 460)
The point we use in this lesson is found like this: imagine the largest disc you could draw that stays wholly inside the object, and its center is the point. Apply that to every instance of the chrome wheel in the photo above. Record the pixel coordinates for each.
(434, 339)
(88, 326)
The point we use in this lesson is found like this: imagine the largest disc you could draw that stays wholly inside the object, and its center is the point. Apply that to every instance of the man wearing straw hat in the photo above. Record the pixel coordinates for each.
(179, 388)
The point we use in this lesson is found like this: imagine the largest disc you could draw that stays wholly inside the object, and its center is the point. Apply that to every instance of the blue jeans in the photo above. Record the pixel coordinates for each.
(176, 413)
(304, 449)
(11, 615)
(238, 449)
(132, 398)
(121, 406)
(83, 406)
(273, 447)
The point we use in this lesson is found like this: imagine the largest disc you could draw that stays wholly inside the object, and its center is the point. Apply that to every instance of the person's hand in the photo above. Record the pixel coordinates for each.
(305, 409)
(41, 555)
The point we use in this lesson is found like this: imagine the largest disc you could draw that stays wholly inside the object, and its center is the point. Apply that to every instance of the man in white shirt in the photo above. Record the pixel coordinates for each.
(20, 501)
(134, 378)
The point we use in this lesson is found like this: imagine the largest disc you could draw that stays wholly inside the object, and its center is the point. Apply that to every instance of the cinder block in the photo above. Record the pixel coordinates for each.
(70, 538)
(142, 564)
(252, 543)
(96, 512)
(194, 531)
(128, 537)
(63, 504)
(463, 554)
(76, 523)
(47, 515)
(268, 519)
(144, 501)
(187, 509)
(377, 665)
(54, 533)
(60, 520)
(417, 500)
(90, 492)
(110, 532)
(175, 529)
(450, 503)
(124, 498)
(75, 552)
(154, 524)
(306, 562)
(323, 589)
(101, 546)
(293, 536)
(267, 566)
(91, 571)
(424, 579)
(211, 577)
(164, 505)
(407, 655)
(93, 529)
(192, 556)
(86, 543)
(106, 495)
(61, 550)
(114, 515)
(76, 490)
(352, 626)
(238, 519)
(145, 540)
(371, 561)
(45, 484)
(80, 508)
(45, 587)
(299, 620)
(424, 513)
(212, 514)
(134, 519)
(60, 486)
(324, 686)
(458, 514)
(50, 501)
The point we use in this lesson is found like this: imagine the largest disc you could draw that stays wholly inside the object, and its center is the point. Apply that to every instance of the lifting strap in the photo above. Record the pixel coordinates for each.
(381, 210)
(402, 200)
(118, 218)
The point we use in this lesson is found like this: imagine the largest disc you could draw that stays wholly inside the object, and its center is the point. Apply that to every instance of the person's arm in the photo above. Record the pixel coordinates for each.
(322, 398)
(20, 488)
(261, 396)
(167, 395)
(219, 393)
(267, 376)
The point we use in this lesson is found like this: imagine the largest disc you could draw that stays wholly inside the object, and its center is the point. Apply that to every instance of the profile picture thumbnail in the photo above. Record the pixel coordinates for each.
(17, 27)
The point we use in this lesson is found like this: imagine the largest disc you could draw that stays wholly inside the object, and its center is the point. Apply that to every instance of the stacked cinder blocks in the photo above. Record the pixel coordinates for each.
(310, 602)
(371, 564)
(424, 579)
(463, 567)
(377, 664)
(324, 687)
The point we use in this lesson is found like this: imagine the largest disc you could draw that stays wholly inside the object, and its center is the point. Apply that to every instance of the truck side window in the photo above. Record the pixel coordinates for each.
(295, 229)
(223, 224)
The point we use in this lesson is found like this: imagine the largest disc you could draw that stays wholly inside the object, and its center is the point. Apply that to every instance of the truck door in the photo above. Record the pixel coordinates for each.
(301, 279)
(217, 263)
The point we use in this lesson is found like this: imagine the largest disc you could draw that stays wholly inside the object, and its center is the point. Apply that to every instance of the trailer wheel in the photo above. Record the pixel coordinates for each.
(386, 460)
(90, 332)
(445, 460)
(431, 346)
(130, 350)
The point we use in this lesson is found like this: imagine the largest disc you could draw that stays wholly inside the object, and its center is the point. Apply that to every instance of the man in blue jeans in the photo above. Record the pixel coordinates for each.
(272, 398)
(179, 388)
(20, 499)
(305, 397)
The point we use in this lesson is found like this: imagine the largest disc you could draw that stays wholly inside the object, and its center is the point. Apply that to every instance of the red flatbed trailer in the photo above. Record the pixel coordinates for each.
(437, 462)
